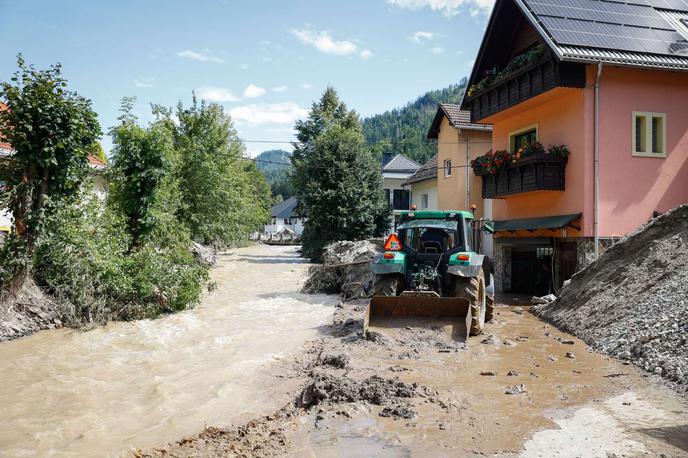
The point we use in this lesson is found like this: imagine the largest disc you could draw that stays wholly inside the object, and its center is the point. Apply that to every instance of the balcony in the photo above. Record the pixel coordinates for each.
(541, 172)
(541, 76)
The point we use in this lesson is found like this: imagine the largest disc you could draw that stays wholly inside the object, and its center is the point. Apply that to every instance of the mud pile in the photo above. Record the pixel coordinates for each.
(28, 311)
(632, 303)
(345, 270)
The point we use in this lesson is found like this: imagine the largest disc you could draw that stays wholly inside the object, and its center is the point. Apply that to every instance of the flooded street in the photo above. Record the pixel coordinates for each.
(99, 393)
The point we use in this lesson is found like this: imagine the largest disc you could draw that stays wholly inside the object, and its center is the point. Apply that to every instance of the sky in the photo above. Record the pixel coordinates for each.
(264, 61)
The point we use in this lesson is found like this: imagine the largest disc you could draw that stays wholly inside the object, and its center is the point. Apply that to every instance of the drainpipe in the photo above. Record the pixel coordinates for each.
(597, 160)
(468, 168)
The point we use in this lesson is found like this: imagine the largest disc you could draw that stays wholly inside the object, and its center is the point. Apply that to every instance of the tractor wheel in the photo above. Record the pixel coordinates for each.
(386, 285)
(473, 289)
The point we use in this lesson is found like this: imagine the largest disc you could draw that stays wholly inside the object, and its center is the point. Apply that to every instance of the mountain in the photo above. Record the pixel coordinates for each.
(275, 165)
(404, 130)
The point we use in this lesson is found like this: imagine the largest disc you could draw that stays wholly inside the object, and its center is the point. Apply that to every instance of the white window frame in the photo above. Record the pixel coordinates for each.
(648, 134)
(447, 168)
(424, 201)
(512, 135)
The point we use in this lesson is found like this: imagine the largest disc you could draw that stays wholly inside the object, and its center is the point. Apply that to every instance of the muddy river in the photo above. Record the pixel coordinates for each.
(99, 393)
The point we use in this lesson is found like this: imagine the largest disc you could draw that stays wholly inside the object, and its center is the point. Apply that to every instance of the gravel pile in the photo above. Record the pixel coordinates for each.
(345, 270)
(633, 302)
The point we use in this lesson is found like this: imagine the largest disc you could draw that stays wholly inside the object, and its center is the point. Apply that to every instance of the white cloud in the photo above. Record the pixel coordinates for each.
(323, 42)
(447, 7)
(421, 37)
(216, 94)
(244, 66)
(144, 82)
(252, 91)
(306, 85)
(437, 50)
(280, 89)
(276, 113)
(204, 55)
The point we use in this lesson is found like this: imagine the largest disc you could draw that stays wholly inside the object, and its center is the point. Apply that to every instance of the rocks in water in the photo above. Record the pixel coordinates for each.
(516, 389)
(570, 355)
(375, 390)
(543, 300)
(517, 310)
(488, 373)
(398, 411)
(552, 358)
(513, 374)
(490, 340)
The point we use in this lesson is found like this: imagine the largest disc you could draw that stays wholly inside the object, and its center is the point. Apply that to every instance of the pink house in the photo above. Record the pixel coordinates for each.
(592, 95)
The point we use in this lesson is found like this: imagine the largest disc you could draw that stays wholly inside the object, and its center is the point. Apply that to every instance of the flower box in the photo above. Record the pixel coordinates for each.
(540, 172)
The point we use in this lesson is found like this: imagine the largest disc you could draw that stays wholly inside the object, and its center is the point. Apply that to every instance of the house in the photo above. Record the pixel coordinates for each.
(423, 186)
(285, 220)
(589, 106)
(396, 169)
(459, 141)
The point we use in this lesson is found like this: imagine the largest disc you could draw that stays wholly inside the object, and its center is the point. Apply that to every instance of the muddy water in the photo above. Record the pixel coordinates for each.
(99, 393)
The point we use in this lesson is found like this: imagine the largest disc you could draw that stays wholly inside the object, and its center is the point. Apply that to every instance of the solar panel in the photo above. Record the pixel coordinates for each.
(634, 26)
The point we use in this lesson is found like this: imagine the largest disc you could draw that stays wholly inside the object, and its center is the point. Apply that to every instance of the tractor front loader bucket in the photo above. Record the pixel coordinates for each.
(389, 311)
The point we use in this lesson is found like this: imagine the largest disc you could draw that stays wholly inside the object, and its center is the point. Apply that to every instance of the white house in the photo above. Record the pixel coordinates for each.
(285, 220)
(423, 186)
(395, 171)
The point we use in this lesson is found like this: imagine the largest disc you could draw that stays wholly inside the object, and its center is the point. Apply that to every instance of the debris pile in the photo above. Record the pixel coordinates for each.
(632, 303)
(28, 311)
(345, 270)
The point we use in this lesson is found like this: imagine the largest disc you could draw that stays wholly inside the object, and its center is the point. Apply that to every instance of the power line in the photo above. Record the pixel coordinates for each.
(324, 167)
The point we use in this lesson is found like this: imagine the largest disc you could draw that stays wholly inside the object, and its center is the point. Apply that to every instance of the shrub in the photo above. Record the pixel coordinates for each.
(83, 258)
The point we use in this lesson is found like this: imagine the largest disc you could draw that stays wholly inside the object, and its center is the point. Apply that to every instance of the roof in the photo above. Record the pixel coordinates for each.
(427, 172)
(458, 118)
(639, 33)
(401, 164)
(532, 224)
(285, 209)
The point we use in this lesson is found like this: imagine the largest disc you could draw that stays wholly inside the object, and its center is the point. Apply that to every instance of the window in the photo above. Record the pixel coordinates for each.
(286, 221)
(387, 196)
(649, 134)
(401, 200)
(523, 137)
(424, 201)
(447, 168)
(543, 252)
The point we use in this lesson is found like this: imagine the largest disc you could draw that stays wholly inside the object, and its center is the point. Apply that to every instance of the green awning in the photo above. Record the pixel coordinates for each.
(533, 224)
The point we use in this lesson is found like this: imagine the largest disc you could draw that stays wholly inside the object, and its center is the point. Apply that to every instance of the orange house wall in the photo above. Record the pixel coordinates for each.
(632, 188)
(559, 116)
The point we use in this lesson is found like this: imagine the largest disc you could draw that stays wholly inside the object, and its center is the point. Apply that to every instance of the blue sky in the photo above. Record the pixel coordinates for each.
(264, 61)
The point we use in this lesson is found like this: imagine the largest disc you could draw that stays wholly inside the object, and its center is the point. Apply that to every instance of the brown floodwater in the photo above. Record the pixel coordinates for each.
(145, 383)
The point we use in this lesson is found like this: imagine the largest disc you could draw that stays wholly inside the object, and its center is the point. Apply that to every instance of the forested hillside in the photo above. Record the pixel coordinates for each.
(271, 164)
(404, 130)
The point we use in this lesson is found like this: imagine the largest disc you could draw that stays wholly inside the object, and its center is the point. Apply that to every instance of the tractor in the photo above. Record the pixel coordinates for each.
(433, 266)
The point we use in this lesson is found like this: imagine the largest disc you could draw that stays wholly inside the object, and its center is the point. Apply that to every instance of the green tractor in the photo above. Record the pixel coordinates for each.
(433, 267)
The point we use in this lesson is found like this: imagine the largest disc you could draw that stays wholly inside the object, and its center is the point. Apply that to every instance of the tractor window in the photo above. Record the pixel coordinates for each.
(430, 239)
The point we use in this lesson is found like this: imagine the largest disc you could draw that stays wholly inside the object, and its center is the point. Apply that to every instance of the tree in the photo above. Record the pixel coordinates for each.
(96, 150)
(336, 177)
(141, 171)
(51, 130)
(224, 197)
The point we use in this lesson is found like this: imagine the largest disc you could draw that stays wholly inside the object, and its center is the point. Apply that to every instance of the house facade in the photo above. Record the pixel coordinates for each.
(285, 220)
(396, 169)
(459, 141)
(423, 186)
(589, 109)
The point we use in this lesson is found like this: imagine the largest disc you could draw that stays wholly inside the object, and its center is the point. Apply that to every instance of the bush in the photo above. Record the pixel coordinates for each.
(84, 260)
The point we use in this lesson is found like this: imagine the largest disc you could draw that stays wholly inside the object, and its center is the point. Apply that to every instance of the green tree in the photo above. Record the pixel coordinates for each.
(96, 150)
(224, 197)
(336, 177)
(141, 174)
(51, 130)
